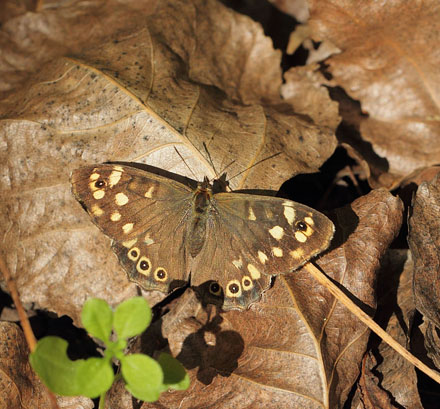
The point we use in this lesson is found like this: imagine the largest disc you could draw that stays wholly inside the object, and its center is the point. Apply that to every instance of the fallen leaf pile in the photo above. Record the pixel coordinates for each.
(196, 89)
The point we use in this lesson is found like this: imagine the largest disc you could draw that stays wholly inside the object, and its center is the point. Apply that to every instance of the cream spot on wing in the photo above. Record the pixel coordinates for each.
(148, 240)
(255, 273)
(277, 252)
(127, 228)
(97, 211)
(247, 283)
(149, 192)
(300, 236)
(309, 220)
(118, 168)
(277, 232)
(114, 178)
(262, 257)
(115, 216)
(296, 254)
(233, 289)
(133, 254)
(130, 243)
(121, 199)
(99, 194)
(251, 215)
(289, 214)
(309, 231)
(94, 176)
(238, 263)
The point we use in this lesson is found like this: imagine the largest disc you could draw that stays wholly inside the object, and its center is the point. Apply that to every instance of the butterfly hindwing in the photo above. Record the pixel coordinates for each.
(145, 216)
(253, 237)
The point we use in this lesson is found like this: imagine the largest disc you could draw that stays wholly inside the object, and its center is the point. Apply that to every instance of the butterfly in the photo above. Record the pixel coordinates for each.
(227, 244)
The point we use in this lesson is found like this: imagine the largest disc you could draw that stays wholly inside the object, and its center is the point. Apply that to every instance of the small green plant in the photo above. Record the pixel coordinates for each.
(144, 377)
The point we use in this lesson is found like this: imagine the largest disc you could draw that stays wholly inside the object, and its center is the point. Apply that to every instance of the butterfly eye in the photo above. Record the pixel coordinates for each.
(99, 183)
(301, 226)
(160, 274)
(133, 254)
(143, 266)
(247, 283)
(215, 289)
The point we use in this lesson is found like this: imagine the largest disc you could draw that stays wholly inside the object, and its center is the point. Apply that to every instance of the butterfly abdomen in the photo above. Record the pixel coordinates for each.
(197, 232)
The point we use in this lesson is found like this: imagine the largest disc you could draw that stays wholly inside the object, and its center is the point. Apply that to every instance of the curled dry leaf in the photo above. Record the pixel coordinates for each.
(372, 395)
(389, 63)
(131, 99)
(393, 376)
(424, 243)
(298, 347)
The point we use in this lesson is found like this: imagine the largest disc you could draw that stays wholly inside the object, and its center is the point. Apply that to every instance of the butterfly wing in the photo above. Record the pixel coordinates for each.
(250, 238)
(145, 215)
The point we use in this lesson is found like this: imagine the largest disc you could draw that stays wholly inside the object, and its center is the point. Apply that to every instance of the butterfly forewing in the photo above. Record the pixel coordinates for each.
(251, 238)
(145, 215)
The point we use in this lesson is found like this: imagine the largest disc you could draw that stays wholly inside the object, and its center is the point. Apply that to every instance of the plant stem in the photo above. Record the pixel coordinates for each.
(102, 401)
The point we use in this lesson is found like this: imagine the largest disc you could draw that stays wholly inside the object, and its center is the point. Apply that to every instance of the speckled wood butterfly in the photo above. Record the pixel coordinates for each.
(230, 243)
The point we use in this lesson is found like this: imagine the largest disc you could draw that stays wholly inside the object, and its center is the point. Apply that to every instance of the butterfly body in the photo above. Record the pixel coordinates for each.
(230, 244)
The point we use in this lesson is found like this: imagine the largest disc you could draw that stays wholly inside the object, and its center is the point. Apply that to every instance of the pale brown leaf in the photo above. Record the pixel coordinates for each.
(389, 63)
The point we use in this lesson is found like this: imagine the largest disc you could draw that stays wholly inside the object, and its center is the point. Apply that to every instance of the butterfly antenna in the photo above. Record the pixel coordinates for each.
(186, 164)
(255, 164)
(210, 159)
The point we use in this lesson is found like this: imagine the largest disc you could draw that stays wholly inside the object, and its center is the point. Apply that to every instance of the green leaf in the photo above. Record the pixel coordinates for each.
(174, 374)
(95, 376)
(143, 376)
(97, 318)
(54, 367)
(131, 317)
(89, 377)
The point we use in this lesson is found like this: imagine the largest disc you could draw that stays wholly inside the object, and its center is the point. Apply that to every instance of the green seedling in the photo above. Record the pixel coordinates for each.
(144, 377)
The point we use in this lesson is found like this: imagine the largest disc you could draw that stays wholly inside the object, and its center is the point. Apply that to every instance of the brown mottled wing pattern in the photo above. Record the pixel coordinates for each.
(145, 215)
(251, 237)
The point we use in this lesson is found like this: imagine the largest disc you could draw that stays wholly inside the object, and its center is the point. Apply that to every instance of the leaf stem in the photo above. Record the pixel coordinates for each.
(102, 401)
(369, 322)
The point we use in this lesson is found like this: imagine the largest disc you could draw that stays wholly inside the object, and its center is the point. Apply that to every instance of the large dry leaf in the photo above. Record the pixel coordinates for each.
(29, 39)
(135, 98)
(20, 387)
(389, 63)
(298, 347)
(424, 243)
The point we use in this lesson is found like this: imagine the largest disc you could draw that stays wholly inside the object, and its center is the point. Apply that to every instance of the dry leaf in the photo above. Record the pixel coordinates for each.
(298, 347)
(394, 376)
(304, 90)
(389, 63)
(130, 99)
(20, 388)
(372, 396)
(424, 243)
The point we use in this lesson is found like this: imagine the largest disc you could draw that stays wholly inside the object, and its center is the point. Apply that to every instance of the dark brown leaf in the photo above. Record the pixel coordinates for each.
(393, 376)
(424, 243)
